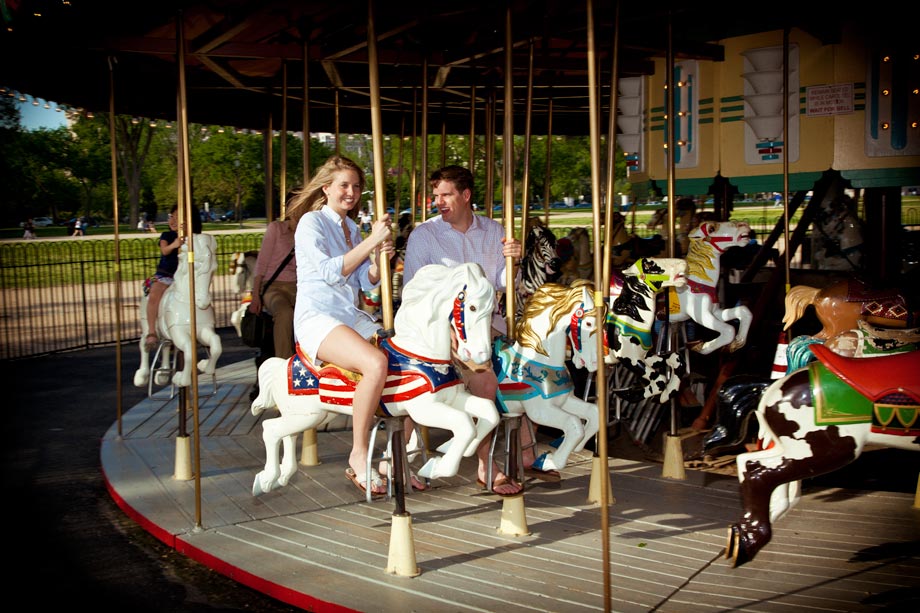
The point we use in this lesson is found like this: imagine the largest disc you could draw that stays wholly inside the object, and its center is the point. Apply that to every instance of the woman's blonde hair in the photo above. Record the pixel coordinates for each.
(312, 197)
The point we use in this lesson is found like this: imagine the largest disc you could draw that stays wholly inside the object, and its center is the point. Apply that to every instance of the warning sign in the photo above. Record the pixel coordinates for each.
(829, 99)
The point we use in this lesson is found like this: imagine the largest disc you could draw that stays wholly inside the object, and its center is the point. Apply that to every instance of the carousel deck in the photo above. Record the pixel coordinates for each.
(318, 545)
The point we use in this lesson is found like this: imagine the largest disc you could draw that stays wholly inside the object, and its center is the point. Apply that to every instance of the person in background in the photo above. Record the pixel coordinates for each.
(155, 286)
(333, 266)
(366, 219)
(279, 298)
(456, 236)
(28, 229)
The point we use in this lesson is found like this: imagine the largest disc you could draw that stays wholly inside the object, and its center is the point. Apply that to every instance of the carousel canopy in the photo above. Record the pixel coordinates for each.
(241, 56)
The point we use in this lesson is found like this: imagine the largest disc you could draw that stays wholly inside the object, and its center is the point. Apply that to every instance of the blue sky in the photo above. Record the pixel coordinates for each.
(35, 117)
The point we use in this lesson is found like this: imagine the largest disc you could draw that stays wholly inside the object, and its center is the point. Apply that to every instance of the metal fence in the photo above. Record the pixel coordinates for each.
(58, 295)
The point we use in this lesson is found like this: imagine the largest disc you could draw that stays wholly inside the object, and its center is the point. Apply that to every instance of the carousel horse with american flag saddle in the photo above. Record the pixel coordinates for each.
(174, 317)
(814, 421)
(440, 304)
(532, 373)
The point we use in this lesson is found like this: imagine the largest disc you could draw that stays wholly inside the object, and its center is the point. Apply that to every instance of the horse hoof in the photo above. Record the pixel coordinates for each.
(731, 542)
(429, 470)
(257, 486)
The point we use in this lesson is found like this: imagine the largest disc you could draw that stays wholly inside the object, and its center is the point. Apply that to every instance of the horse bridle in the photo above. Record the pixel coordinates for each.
(457, 315)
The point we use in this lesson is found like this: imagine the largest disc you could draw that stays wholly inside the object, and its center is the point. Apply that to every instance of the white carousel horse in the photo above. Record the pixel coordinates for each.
(242, 268)
(532, 375)
(814, 421)
(439, 303)
(174, 318)
(540, 263)
(698, 299)
(630, 322)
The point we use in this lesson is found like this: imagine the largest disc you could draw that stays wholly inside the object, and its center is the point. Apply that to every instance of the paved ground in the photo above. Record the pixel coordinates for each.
(68, 544)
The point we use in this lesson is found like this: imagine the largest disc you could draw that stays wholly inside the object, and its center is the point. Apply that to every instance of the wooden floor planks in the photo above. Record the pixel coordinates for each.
(316, 538)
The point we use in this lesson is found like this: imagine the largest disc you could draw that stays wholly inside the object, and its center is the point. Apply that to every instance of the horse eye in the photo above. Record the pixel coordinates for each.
(473, 308)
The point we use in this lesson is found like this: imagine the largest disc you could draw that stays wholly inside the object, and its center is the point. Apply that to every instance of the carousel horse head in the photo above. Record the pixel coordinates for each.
(539, 264)
(462, 295)
(532, 374)
(442, 308)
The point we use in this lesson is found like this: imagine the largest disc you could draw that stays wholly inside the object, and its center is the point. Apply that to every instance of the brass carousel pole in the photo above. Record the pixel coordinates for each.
(401, 559)
(525, 181)
(413, 176)
(306, 109)
(472, 154)
(513, 518)
(282, 179)
(424, 153)
(185, 230)
(113, 150)
(673, 453)
(309, 449)
(547, 192)
(601, 465)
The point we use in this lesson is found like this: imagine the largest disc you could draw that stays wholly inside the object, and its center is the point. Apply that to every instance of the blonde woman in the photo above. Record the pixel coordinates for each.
(333, 267)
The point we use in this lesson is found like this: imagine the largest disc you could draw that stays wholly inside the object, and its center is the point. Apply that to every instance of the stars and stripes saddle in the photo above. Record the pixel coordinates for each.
(408, 376)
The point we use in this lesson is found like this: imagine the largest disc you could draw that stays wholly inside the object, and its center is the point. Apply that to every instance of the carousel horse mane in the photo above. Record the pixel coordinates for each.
(558, 300)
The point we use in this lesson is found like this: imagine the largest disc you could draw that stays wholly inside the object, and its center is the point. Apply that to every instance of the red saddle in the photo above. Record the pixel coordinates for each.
(878, 377)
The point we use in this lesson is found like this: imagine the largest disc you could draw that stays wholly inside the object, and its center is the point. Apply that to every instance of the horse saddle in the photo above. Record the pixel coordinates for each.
(880, 304)
(876, 378)
(888, 385)
(408, 376)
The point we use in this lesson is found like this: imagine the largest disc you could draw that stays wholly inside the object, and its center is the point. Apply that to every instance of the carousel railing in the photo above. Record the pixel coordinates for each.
(61, 295)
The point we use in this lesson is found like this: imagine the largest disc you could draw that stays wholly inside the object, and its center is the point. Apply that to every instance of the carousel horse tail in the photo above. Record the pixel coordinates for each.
(796, 301)
(272, 374)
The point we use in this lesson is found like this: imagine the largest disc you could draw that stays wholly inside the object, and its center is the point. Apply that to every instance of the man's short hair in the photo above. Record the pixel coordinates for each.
(458, 175)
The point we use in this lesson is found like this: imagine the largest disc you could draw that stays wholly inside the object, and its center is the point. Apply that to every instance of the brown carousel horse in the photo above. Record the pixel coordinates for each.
(839, 307)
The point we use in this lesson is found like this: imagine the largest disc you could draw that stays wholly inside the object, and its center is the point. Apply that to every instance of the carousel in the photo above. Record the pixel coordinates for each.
(695, 397)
